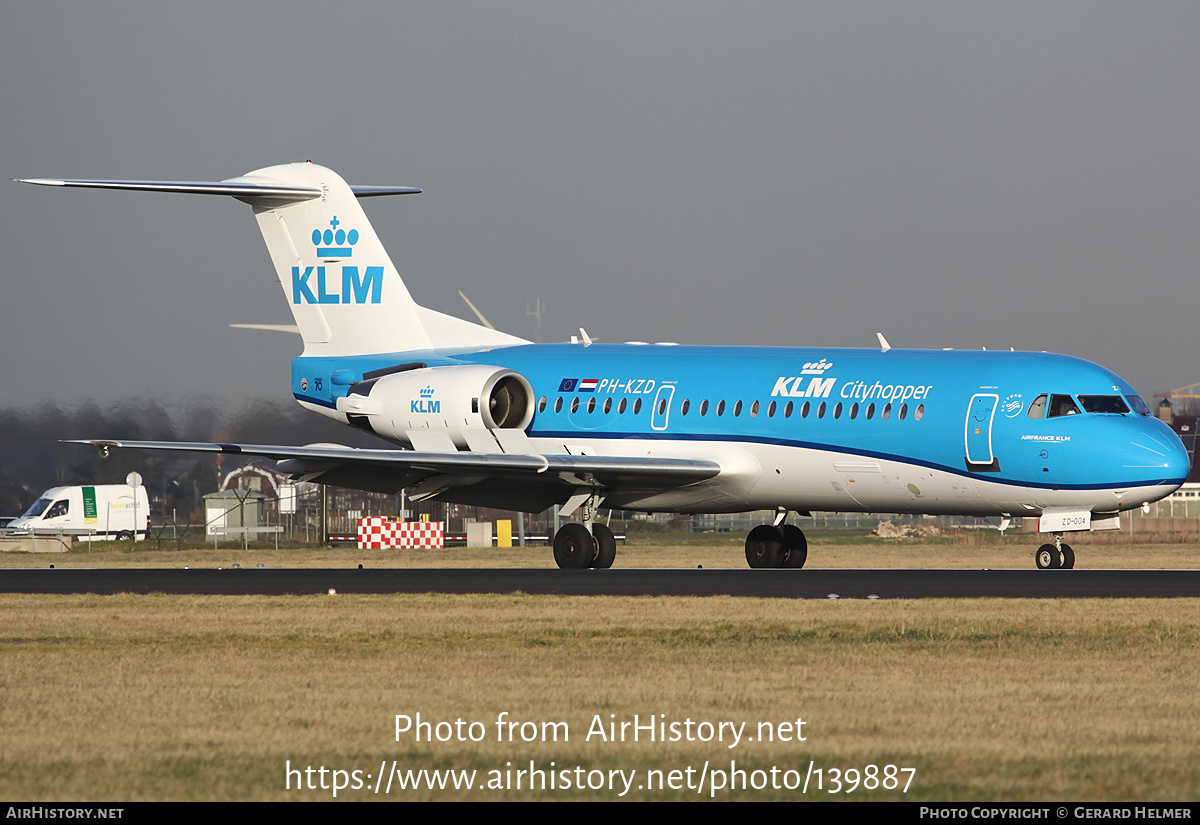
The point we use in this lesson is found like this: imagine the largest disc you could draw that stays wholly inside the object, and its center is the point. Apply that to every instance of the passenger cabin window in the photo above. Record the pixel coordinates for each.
(1062, 405)
(1037, 407)
(558, 404)
(1104, 404)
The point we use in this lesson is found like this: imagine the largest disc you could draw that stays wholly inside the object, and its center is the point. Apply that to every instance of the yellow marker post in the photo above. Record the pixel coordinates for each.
(504, 532)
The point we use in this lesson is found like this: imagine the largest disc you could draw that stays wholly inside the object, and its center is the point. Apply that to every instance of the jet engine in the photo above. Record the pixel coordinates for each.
(451, 399)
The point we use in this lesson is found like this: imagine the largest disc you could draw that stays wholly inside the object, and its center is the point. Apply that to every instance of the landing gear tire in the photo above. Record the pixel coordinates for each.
(1047, 557)
(1068, 558)
(795, 545)
(606, 547)
(765, 547)
(574, 547)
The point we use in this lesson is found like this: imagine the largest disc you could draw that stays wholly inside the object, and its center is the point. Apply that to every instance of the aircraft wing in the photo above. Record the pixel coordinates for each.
(509, 480)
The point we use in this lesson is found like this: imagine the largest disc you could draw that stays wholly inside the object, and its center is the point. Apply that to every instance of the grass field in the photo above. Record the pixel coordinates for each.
(210, 698)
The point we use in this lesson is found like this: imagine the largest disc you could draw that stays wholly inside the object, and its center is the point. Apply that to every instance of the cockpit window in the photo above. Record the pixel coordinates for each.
(1037, 407)
(1103, 404)
(1062, 405)
(1139, 406)
(38, 508)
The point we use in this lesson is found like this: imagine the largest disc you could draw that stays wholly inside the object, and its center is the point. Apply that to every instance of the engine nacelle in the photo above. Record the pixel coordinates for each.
(452, 399)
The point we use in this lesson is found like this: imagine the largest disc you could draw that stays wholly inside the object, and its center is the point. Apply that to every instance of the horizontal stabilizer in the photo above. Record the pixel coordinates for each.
(236, 187)
(269, 327)
(380, 191)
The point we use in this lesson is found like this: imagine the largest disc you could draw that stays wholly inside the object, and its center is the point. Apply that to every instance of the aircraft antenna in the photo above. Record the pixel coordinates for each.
(478, 314)
(538, 311)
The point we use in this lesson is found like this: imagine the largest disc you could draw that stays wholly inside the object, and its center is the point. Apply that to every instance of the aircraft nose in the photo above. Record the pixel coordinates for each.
(1178, 462)
(1161, 453)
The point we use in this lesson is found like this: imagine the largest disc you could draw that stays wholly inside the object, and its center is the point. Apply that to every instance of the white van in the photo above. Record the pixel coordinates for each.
(106, 511)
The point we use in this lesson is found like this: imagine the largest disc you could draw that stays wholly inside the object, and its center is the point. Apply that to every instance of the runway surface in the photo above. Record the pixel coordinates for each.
(791, 584)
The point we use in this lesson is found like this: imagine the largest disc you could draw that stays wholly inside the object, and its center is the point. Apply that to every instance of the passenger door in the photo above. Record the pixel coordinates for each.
(980, 413)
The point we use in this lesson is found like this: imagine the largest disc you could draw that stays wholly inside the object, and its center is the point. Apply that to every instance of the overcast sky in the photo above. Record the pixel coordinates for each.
(952, 174)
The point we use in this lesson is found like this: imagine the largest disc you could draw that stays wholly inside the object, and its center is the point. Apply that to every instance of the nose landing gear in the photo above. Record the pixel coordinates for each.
(1057, 556)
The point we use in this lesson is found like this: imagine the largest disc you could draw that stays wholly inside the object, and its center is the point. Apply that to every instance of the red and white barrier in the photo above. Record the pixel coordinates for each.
(414, 535)
(380, 533)
(376, 533)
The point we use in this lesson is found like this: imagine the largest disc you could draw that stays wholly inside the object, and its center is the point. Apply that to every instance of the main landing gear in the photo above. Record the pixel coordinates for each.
(580, 546)
(776, 545)
(575, 547)
(1057, 556)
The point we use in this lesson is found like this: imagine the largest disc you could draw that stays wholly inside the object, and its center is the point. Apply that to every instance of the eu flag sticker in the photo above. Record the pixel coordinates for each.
(568, 385)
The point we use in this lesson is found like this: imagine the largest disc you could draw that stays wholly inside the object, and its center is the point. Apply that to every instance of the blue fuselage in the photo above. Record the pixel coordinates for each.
(982, 416)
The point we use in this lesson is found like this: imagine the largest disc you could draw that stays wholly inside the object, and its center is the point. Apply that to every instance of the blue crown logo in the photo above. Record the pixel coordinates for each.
(427, 392)
(335, 242)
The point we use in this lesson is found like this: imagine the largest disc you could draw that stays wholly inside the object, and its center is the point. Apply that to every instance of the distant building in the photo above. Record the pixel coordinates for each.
(1185, 427)
(231, 508)
(256, 479)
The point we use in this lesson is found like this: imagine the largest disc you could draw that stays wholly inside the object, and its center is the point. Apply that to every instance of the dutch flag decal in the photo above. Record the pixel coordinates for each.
(588, 384)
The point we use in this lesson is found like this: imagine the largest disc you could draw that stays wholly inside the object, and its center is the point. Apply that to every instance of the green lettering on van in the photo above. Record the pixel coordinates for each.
(89, 505)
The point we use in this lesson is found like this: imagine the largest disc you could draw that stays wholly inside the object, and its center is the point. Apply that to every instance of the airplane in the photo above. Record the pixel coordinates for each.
(477, 416)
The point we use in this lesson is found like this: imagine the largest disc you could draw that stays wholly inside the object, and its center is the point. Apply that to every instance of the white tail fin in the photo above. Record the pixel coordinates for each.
(344, 292)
